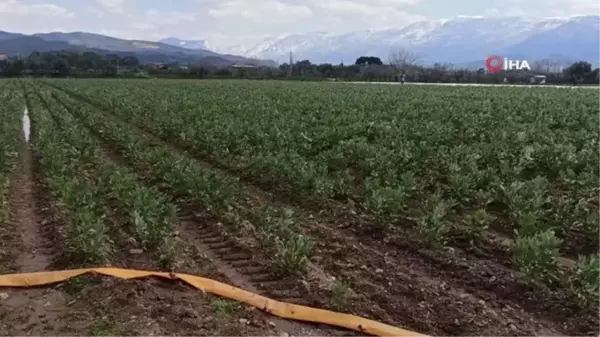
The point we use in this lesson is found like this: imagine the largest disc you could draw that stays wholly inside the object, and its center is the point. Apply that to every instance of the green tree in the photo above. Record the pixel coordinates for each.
(61, 67)
(578, 71)
(326, 69)
(368, 60)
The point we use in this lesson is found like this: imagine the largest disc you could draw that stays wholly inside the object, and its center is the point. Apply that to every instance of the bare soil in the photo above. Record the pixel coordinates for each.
(26, 311)
(154, 307)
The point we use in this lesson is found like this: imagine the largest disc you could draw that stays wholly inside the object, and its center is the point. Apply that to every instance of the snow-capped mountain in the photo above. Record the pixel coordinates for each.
(460, 40)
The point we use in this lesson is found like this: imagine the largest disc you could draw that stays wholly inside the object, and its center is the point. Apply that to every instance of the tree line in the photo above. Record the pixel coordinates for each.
(65, 63)
(401, 65)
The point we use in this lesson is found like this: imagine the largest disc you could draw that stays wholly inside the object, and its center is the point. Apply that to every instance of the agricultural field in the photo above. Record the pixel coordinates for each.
(442, 210)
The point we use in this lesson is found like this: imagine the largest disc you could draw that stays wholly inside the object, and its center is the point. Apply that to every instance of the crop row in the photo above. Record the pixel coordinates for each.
(470, 159)
(100, 198)
(539, 167)
(11, 107)
(220, 195)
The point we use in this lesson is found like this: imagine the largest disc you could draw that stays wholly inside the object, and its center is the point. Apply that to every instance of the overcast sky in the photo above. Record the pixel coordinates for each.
(244, 22)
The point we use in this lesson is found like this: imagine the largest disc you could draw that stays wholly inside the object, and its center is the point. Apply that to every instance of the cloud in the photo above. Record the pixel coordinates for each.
(172, 18)
(504, 12)
(276, 17)
(95, 11)
(572, 7)
(545, 8)
(142, 25)
(114, 6)
(155, 24)
(365, 14)
(27, 17)
(226, 23)
(46, 9)
(260, 11)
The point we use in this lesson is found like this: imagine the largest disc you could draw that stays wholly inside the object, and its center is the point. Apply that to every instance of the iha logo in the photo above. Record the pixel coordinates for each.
(496, 63)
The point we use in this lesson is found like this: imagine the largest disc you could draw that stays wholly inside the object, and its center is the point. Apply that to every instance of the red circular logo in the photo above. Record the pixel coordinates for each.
(494, 63)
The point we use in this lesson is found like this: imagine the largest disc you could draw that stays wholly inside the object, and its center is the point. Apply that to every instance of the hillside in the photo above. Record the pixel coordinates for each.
(188, 44)
(22, 45)
(147, 51)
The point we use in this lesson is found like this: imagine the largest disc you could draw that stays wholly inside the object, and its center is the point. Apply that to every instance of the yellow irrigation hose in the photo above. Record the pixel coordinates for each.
(281, 309)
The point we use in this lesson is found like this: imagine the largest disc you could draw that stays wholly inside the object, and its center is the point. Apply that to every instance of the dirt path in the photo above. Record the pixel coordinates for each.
(34, 256)
(30, 311)
(55, 310)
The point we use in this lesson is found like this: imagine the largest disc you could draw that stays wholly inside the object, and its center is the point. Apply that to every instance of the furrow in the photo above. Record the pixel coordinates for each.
(217, 247)
(370, 263)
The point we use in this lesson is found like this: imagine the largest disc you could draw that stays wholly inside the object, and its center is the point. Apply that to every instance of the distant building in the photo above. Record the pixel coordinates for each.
(242, 66)
(158, 65)
(3, 57)
(243, 70)
(538, 79)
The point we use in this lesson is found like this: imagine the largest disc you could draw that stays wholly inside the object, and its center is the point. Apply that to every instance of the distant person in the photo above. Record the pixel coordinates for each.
(402, 79)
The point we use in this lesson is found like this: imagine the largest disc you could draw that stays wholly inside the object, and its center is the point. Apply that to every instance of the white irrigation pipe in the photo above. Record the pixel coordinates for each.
(481, 85)
(26, 124)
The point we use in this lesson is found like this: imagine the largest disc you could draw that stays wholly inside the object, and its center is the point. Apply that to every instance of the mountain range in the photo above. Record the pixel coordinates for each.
(461, 41)
(15, 44)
